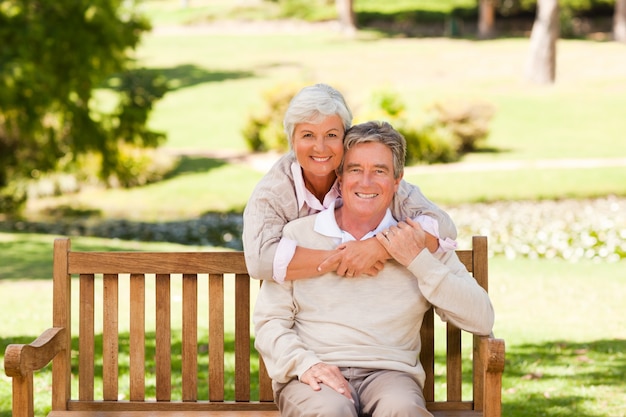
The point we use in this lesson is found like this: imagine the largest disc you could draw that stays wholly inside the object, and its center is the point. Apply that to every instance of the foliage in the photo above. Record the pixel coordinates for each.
(577, 7)
(264, 131)
(468, 121)
(447, 130)
(55, 55)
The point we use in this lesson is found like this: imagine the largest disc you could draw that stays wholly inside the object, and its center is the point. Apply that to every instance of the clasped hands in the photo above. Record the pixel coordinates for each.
(402, 242)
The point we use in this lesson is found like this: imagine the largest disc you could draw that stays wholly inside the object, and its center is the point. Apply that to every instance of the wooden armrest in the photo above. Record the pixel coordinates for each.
(492, 357)
(492, 354)
(21, 360)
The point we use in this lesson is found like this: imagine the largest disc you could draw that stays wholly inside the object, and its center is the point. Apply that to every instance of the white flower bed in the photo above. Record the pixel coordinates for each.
(568, 229)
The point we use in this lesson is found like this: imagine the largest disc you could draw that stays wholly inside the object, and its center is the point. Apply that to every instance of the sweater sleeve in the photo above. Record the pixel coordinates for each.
(273, 204)
(454, 293)
(410, 202)
(285, 355)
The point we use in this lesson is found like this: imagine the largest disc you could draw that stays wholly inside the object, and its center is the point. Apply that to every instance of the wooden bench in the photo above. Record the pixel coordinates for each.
(153, 373)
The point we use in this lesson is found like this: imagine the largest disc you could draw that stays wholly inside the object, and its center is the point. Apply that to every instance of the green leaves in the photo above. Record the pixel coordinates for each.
(54, 54)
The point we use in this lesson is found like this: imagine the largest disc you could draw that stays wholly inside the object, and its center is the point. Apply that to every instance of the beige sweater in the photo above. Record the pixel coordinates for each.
(365, 322)
(273, 204)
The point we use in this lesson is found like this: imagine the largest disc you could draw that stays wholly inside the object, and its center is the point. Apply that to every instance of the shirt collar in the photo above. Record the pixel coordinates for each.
(326, 224)
(304, 196)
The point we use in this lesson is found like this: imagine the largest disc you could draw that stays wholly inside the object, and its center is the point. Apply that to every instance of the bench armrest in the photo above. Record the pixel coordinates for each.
(20, 361)
(492, 357)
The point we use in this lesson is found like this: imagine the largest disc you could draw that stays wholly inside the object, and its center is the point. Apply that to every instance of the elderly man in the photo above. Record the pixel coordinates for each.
(337, 346)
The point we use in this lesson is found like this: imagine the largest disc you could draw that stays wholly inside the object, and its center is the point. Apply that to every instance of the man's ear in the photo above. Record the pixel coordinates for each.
(397, 181)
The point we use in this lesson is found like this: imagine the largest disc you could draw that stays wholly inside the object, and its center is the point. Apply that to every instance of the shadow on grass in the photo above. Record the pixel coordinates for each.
(188, 164)
(181, 76)
(561, 378)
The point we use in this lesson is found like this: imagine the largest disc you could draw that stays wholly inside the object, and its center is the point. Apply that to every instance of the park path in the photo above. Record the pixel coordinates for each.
(264, 161)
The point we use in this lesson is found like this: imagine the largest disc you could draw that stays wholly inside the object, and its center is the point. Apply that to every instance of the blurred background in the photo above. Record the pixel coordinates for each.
(146, 124)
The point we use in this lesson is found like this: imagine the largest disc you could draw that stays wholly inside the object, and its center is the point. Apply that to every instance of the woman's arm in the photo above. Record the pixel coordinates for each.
(409, 202)
(273, 204)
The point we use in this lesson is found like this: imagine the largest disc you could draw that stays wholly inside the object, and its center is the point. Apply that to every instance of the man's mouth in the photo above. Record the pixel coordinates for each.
(364, 195)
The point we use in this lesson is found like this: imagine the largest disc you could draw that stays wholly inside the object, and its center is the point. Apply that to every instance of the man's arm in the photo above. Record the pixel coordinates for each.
(444, 282)
(284, 353)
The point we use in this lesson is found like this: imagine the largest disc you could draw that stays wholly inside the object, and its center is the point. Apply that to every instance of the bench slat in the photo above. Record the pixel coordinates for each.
(190, 338)
(156, 262)
(242, 337)
(86, 341)
(454, 377)
(216, 337)
(137, 358)
(427, 354)
(163, 349)
(110, 337)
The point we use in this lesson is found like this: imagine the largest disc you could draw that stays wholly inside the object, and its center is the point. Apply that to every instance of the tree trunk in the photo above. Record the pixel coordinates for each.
(541, 67)
(347, 19)
(486, 19)
(619, 21)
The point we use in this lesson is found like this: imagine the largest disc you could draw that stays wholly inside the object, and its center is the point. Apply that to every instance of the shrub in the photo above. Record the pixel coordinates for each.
(264, 131)
(467, 120)
(448, 129)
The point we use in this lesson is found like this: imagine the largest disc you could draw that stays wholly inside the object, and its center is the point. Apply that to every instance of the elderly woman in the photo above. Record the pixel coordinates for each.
(304, 182)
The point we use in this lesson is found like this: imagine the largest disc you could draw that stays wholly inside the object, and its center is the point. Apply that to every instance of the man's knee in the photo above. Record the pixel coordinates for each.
(301, 401)
(400, 405)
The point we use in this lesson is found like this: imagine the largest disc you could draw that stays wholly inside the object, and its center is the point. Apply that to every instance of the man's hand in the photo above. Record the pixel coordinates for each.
(321, 373)
(404, 241)
(355, 258)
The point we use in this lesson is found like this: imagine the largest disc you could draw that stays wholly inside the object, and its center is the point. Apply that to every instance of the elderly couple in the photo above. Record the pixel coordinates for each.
(352, 257)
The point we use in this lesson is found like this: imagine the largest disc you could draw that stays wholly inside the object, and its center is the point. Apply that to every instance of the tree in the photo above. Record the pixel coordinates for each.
(486, 19)
(347, 19)
(619, 21)
(541, 67)
(54, 54)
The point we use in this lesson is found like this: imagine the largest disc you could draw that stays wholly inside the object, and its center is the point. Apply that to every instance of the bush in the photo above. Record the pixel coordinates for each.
(264, 131)
(448, 129)
(468, 121)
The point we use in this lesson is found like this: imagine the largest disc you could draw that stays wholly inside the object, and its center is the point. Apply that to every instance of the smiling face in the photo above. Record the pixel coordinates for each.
(319, 148)
(367, 184)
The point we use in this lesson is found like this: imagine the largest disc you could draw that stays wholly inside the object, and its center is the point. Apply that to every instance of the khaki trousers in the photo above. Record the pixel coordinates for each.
(376, 393)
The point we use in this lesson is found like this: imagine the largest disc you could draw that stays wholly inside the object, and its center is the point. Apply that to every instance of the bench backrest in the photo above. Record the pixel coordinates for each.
(163, 319)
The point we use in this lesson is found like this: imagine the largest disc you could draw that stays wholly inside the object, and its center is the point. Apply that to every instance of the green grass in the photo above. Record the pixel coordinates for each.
(524, 184)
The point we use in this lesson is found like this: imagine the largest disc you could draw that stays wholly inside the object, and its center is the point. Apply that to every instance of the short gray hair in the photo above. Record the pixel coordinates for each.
(314, 103)
(380, 132)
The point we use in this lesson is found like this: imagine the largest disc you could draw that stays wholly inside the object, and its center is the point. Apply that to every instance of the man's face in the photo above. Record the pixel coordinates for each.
(367, 182)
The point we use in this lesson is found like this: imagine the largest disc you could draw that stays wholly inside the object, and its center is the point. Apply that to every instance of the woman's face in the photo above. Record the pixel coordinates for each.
(319, 146)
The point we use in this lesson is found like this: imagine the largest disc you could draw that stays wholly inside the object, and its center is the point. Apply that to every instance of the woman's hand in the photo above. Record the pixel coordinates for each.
(354, 258)
(404, 241)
